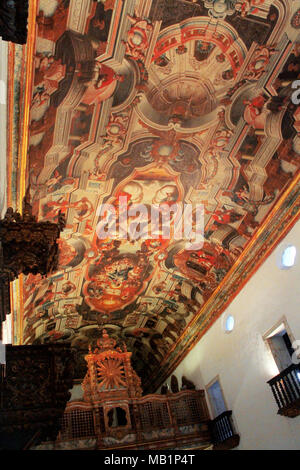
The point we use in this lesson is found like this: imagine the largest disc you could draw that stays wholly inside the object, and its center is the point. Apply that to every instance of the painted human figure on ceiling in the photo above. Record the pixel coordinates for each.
(102, 85)
(47, 69)
(225, 216)
(254, 113)
(83, 208)
(40, 103)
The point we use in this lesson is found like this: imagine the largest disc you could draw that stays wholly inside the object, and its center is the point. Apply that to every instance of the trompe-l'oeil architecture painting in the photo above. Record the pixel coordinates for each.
(157, 101)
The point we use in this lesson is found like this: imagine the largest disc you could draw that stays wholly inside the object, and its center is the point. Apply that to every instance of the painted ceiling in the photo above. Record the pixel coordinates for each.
(160, 101)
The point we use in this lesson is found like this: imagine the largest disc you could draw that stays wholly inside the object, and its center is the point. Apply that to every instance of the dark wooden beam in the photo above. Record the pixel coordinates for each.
(13, 20)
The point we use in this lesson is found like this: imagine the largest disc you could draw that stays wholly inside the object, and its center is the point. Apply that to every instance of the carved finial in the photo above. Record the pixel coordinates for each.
(109, 372)
(105, 342)
(26, 199)
(61, 221)
(27, 208)
(9, 215)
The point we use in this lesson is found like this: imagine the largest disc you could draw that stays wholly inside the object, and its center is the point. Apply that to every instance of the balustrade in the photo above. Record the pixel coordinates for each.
(286, 391)
(152, 417)
(223, 433)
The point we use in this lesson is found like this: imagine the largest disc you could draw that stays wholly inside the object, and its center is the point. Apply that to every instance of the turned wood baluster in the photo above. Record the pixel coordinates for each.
(283, 393)
(296, 383)
(228, 426)
(223, 425)
(276, 394)
(290, 389)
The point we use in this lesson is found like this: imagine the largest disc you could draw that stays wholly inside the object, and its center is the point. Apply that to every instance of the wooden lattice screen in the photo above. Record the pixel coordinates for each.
(154, 415)
(77, 424)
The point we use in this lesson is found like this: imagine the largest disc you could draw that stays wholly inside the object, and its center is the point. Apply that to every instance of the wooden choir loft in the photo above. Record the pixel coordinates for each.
(112, 413)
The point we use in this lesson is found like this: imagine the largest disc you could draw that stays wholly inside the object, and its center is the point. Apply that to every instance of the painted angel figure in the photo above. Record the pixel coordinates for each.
(102, 84)
(39, 105)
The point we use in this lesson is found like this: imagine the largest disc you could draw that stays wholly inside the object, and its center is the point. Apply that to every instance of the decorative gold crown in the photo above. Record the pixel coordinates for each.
(106, 342)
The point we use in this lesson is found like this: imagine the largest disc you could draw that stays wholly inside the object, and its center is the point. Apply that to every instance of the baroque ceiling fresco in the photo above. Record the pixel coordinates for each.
(160, 101)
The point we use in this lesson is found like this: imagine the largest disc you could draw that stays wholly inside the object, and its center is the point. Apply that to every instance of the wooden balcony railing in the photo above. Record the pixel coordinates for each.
(223, 433)
(153, 421)
(286, 390)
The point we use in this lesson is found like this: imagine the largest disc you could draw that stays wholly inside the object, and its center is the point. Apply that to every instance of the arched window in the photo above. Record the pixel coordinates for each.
(228, 322)
(288, 257)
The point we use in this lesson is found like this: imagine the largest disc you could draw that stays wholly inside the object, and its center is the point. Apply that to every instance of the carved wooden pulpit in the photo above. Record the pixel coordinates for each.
(34, 393)
(26, 246)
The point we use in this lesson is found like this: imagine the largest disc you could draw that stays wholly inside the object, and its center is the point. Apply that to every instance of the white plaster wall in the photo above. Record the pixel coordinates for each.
(3, 85)
(243, 361)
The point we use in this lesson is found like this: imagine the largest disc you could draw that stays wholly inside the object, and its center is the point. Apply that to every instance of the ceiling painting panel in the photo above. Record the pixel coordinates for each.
(157, 102)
